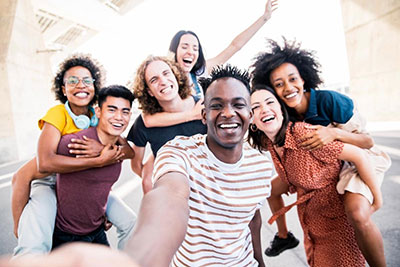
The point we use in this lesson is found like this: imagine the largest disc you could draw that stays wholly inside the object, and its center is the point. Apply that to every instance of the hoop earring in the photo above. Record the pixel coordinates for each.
(253, 127)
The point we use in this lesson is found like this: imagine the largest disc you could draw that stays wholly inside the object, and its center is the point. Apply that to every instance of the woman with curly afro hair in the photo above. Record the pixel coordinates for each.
(160, 85)
(294, 74)
(76, 85)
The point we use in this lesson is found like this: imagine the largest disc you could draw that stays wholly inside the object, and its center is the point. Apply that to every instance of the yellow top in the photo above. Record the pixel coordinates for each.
(58, 117)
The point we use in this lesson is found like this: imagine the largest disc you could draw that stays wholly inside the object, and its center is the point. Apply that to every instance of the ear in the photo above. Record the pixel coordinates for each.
(203, 116)
(97, 110)
(251, 116)
(63, 90)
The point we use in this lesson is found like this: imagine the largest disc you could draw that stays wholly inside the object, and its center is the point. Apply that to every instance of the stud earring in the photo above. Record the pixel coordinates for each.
(253, 127)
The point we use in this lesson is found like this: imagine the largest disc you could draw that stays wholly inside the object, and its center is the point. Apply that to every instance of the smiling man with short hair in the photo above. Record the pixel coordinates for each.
(207, 188)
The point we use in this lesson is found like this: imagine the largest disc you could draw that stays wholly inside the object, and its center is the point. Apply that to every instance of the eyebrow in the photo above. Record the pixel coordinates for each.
(188, 44)
(290, 74)
(112, 106)
(257, 102)
(221, 99)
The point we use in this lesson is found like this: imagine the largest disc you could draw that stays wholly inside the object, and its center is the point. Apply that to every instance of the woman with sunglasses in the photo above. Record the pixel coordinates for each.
(76, 86)
(329, 238)
(185, 49)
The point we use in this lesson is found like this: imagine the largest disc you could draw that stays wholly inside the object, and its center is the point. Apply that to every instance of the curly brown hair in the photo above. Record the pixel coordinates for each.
(291, 52)
(83, 60)
(148, 103)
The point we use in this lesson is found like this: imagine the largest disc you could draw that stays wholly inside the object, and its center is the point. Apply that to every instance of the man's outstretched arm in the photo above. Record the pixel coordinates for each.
(162, 221)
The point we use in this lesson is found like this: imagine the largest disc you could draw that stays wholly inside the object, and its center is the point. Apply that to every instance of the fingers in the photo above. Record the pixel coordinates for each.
(78, 141)
(309, 126)
(311, 144)
(120, 154)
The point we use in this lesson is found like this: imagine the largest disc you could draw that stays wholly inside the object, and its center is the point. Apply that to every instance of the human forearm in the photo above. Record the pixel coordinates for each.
(127, 150)
(358, 139)
(147, 172)
(162, 222)
(164, 119)
(50, 162)
(255, 229)
(64, 164)
(240, 40)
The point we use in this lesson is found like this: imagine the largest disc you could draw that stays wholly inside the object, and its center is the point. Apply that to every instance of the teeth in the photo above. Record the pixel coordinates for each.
(165, 89)
(188, 60)
(291, 95)
(268, 118)
(117, 124)
(81, 94)
(231, 125)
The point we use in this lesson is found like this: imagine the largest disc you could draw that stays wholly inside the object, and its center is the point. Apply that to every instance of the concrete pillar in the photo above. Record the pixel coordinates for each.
(372, 30)
(25, 80)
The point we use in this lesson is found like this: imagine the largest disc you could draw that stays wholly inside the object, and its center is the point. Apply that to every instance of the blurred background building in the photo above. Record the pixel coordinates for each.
(37, 34)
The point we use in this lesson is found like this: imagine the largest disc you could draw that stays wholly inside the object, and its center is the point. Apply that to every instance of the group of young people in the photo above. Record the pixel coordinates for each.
(203, 183)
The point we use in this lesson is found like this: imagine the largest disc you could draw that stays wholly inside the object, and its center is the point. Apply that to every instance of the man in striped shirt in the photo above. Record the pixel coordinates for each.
(207, 188)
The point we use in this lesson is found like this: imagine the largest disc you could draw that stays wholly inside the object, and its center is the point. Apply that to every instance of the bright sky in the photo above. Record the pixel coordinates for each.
(149, 27)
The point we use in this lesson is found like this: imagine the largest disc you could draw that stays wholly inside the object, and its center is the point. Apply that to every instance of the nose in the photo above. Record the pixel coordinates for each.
(163, 80)
(287, 87)
(264, 108)
(80, 83)
(118, 115)
(228, 111)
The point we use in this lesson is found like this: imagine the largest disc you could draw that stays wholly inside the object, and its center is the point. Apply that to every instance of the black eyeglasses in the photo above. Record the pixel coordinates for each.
(73, 81)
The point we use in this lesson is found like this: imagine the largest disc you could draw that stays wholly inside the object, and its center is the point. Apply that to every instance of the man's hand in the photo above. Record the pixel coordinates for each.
(110, 154)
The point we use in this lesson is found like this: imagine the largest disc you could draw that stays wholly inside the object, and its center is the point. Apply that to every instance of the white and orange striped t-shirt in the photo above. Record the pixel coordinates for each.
(223, 199)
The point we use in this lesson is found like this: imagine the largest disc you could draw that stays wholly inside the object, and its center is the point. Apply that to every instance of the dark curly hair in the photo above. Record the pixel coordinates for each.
(257, 139)
(148, 103)
(82, 60)
(304, 60)
(226, 71)
(200, 64)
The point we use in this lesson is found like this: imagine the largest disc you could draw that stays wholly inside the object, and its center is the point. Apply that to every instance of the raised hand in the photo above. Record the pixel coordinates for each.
(270, 7)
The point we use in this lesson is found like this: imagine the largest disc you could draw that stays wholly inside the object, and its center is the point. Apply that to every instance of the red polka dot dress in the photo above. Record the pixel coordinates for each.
(329, 239)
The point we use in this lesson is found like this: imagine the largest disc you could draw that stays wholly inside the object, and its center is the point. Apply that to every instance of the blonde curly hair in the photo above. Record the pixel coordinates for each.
(148, 103)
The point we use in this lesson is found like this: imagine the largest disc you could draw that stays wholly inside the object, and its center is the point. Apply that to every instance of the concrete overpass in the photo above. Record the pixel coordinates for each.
(36, 34)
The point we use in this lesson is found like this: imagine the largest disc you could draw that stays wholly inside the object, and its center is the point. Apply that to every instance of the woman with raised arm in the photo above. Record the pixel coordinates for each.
(185, 48)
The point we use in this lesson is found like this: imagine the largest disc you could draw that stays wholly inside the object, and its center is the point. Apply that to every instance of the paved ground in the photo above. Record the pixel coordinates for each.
(387, 218)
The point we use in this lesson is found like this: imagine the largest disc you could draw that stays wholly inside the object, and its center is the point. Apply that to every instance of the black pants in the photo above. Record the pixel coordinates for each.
(98, 236)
